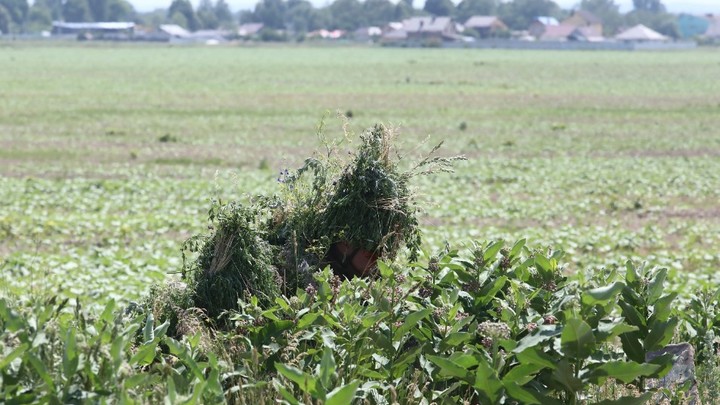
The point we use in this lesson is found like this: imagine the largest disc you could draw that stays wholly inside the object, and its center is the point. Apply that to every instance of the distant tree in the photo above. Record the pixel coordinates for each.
(98, 9)
(403, 10)
(16, 11)
(76, 11)
(653, 6)
(519, 14)
(223, 14)
(468, 8)
(439, 7)
(185, 9)
(652, 14)
(39, 18)
(663, 23)
(206, 15)
(378, 12)
(347, 15)
(247, 16)
(120, 10)
(4, 20)
(152, 18)
(55, 7)
(607, 11)
(271, 13)
(301, 17)
(179, 19)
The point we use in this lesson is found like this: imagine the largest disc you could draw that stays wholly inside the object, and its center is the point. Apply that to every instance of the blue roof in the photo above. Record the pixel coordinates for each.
(544, 20)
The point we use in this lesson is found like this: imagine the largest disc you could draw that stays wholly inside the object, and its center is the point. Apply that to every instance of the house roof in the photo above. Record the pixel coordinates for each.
(557, 32)
(713, 30)
(395, 35)
(547, 21)
(368, 31)
(482, 21)
(640, 33)
(174, 30)
(209, 34)
(426, 24)
(394, 25)
(94, 25)
(250, 29)
(588, 16)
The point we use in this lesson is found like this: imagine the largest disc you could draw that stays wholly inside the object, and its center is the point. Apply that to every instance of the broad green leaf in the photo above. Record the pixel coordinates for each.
(41, 369)
(632, 316)
(563, 374)
(527, 396)
(16, 353)
(307, 320)
(11, 319)
(543, 266)
(465, 360)
(542, 334)
(327, 367)
(290, 398)
(149, 331)
(449, 368)
(492, 251)
(577, 339)
(145, 354)
(663, 307)
(305, 381)
(656, 286)
(70, 355)
(456, 339)
(523, 373)
(487, 383)
(107, 314)
(632, 347)
(602, 295)
(660, 334)
(171, 396)
(608, 330)
(274, 329)
(666, 362)
(342, 395)
(631, 276)
(385, 270)
(533, 356)
(488, 292)
(407, 357)
(411, 321)
(625, 371)
(181, 352)
(517, 248)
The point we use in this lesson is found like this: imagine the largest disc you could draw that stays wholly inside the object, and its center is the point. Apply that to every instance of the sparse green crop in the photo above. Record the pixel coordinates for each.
(608, 157)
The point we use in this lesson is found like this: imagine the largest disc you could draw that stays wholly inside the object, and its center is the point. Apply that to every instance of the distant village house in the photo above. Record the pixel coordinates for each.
(94, 28)
(486, 26)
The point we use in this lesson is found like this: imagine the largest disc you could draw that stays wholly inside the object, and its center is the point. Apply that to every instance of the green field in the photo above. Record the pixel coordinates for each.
(605, 155)
(110, 157)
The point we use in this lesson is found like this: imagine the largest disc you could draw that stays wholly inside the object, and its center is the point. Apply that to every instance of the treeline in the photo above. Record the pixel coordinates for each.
(18, 16)
(300, 16)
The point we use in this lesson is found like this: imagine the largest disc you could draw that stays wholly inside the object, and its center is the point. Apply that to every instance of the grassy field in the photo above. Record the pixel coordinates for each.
(608, 156)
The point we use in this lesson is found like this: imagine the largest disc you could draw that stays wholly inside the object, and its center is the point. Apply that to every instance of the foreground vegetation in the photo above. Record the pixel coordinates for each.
(104, 175)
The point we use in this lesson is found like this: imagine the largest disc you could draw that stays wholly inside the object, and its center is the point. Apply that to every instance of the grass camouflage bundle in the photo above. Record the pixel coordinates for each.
(353, 211)
(233, 262)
